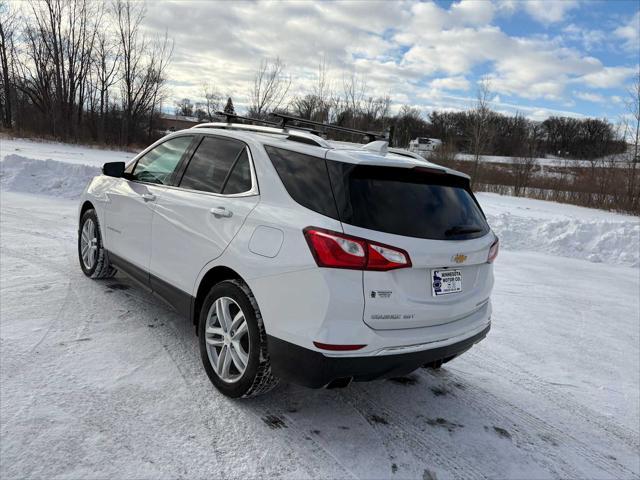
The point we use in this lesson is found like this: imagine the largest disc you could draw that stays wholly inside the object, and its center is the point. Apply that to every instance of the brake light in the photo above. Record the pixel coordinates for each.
(493, 251)
(337, 250)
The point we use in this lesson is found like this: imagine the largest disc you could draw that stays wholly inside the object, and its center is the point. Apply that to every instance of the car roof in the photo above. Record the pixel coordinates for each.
(374, 153)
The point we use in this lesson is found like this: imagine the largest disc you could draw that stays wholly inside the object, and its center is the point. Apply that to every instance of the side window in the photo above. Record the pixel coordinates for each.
(157, 165)
(239, 179)
(214, 164)
(306, 179)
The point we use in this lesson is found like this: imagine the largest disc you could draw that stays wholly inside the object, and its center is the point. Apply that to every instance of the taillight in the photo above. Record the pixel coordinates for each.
(493, 251)
(337, 250)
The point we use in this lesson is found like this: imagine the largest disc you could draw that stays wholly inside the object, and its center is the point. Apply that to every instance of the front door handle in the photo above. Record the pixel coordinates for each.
(148, 197)
(221, 212)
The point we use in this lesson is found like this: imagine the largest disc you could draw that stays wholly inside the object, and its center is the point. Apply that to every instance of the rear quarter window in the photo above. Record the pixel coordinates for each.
(305, 178)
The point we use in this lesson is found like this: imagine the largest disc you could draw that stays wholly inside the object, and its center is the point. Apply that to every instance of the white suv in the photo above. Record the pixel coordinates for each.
(297, 258)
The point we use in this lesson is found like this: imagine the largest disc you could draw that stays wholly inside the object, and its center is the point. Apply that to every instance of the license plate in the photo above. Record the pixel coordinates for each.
(444, 282)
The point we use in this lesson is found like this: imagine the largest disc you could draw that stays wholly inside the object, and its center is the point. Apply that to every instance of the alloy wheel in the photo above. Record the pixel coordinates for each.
(227, 339)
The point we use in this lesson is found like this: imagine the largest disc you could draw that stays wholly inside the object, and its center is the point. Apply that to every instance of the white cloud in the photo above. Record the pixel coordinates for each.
(549, 11)
(630, 33)
(450, 83)
(590, 97)
(589, 38)
(411, 50)
(608, 77)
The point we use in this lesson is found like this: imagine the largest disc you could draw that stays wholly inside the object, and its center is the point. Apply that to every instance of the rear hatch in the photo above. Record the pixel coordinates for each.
(434, 217)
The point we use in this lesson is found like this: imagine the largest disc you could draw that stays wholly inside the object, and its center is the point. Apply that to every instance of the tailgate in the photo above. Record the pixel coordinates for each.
(405, 298)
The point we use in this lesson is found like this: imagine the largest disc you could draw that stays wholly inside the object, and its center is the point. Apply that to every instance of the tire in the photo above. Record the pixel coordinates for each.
(243, 346)
(96, 263)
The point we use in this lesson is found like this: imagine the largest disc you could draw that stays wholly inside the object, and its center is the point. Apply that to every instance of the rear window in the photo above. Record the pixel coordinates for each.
(406, 202)
(409, 202)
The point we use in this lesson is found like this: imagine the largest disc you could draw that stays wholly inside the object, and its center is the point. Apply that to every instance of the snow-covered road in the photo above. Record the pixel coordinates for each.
(99, 379)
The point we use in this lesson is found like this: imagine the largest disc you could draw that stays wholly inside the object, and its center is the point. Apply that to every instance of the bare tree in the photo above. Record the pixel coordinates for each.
(479, 128)
(354, 88)
(270, 87)
(57, 56)
(525, 163)
(106, 62)
(211, 104)
(633, 109)
(8, 20)
(143, 65)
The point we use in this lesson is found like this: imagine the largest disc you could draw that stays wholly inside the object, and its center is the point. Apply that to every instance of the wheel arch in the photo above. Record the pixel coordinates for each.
(87, 205)
(215, 275)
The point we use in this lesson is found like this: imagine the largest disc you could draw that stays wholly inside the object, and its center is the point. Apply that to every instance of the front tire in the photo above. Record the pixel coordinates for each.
(91, 252)
(233, 343)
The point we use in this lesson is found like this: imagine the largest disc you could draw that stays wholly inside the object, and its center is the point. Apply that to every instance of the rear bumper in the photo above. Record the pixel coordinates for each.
(312, 369)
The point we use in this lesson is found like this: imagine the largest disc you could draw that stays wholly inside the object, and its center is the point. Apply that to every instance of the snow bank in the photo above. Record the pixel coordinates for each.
(64, 152)
(563, 230)
(45, 177)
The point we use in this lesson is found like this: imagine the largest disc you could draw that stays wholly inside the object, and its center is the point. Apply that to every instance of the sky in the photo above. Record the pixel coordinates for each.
(541, 57)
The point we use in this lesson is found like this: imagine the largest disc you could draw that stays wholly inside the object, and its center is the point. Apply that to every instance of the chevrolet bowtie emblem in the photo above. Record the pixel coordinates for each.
(459, 258)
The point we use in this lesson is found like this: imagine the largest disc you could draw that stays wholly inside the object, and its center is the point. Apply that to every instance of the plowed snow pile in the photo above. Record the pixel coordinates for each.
(521, 223)
(45, 177)
(563, 230)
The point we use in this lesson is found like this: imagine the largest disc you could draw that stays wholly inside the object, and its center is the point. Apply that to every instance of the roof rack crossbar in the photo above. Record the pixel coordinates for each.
(284, 119)
(233, 116)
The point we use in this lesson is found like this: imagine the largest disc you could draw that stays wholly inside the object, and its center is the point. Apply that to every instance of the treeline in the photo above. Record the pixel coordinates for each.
(81, 70)
(512, 136)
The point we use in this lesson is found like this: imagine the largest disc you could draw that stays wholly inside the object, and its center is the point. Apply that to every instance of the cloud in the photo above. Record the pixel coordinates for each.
(590, 97)
(608, 77)
(630, 33)
(417, 52)
(450, 83)
(549, 11)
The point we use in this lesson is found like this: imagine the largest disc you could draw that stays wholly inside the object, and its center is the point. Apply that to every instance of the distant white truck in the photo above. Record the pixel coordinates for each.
(424, 146)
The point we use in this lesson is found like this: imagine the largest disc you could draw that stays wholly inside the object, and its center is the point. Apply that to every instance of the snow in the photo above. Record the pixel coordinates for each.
(550, 160)
(75, 154)
(47, 177)
(564, 230)
(100, 379)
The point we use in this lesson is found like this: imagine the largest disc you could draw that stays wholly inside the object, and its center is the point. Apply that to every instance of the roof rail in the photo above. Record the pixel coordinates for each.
(284, 119)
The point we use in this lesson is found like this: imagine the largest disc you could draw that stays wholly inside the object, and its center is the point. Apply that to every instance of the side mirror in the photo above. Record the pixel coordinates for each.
(113, 169)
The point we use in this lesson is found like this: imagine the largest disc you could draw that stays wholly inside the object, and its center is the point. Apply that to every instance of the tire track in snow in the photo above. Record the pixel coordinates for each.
(316, 460)
(535, 384)
(440, 452)
(496, 409)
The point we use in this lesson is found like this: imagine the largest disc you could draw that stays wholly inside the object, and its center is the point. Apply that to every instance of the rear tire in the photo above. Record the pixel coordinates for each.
(233, 341)
(91, 252)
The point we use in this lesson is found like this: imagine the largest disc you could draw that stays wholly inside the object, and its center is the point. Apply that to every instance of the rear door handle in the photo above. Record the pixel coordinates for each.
(148, 197)
(219, 212)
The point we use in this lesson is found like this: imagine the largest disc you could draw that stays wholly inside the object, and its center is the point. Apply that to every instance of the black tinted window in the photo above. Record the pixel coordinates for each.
(406, 202)
(157, 165)
(239, 180)
(306, 179)
(210, 164)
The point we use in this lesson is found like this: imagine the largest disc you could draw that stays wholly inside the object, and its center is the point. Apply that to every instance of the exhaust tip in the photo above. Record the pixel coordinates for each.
(339, 383)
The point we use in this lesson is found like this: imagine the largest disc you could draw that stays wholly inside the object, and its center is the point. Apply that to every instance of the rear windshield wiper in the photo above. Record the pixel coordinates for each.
(462, 229)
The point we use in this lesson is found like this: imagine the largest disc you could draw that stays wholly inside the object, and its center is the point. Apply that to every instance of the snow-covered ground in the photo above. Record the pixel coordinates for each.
(99, 379)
